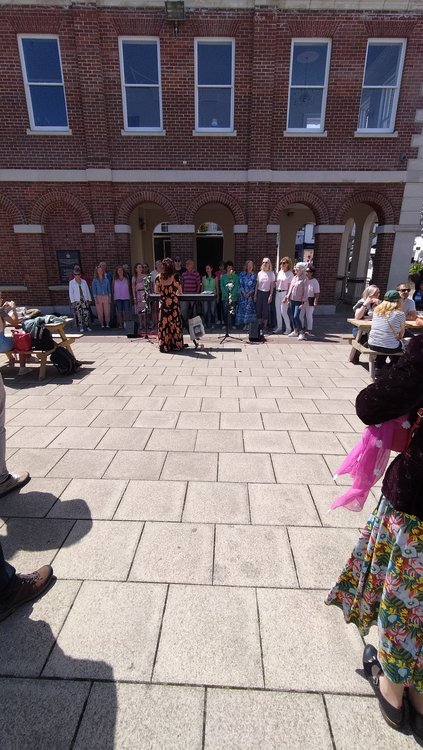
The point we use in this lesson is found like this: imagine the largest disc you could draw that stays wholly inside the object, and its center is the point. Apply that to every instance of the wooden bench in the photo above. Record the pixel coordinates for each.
(358, 349)
(42, 356)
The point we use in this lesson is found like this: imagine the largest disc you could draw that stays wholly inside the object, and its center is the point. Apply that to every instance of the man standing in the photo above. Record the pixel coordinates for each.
(15, 588)
(191, 284)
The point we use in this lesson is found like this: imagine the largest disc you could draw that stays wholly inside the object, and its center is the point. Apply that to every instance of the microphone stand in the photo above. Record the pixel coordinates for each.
(229, 311)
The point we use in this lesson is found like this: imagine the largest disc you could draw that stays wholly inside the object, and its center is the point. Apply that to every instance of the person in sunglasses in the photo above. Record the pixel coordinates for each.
(408, 304)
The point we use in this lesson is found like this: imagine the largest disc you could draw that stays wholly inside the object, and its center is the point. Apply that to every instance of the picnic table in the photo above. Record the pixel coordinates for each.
(60, 337)
(357, 348)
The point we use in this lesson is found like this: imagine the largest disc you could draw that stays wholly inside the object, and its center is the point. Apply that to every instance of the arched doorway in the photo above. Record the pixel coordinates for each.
(209, 242)
(149, 234)
(358, 250)
(296, 233)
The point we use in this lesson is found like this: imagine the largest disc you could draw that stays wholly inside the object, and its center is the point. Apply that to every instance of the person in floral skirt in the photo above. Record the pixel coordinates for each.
(170, 321)
(382, 583)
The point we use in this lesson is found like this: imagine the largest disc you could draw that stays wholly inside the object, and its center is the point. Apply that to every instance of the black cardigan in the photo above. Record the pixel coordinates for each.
(400, 392)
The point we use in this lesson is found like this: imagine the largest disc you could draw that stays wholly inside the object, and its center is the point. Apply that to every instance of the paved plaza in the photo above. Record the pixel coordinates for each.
(183, 502)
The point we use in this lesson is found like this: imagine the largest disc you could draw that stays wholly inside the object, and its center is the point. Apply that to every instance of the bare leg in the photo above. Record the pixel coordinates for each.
(392, 691)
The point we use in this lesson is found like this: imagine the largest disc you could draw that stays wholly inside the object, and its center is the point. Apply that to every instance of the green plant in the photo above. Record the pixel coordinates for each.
(415, 268)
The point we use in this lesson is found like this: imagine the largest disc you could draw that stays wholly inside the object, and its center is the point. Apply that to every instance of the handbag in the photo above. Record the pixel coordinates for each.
(23, 341)
(404, 433)
(196, 328)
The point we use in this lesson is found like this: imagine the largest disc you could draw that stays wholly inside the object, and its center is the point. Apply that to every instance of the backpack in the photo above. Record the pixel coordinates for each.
(64, 361)
(42, 339)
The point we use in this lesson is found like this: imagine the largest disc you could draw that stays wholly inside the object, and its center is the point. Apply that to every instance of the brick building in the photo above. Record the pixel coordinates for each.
(124, 134)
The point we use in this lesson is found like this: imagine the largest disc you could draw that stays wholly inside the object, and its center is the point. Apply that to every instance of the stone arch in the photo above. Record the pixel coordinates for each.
(12, 209)
(309, 199)
(145, 196)
(215, 196)
(55, 198)
(380, 203)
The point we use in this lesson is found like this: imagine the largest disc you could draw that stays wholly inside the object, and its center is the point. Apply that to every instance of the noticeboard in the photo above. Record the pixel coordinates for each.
(66, 260)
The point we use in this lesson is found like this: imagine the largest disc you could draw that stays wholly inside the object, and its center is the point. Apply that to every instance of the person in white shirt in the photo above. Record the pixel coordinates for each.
(313, 292)
(283, 281)
(388, 328)
(408, 304)
(264, 291)
(80, 297)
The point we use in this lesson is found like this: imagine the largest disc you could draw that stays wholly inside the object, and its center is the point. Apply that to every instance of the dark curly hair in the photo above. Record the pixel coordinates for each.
(168, 268)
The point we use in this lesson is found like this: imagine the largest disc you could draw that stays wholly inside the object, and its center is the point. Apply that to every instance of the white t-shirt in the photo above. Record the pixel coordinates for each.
(313, 288)
(381, 333)
(283, 280)
(265, 280)
(408, 305)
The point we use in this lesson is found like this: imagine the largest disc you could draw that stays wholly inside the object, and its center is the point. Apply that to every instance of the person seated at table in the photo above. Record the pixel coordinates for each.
(191, 284)
(387, 330)
(9, 315)
(418, 297)
(408, 304)
(365, 306)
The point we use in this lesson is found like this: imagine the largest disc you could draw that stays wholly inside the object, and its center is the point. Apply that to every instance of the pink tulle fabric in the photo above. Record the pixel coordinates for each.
(367, 462)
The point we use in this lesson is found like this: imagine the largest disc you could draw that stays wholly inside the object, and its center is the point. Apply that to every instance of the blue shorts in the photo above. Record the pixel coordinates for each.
(7, 343)
(123, 305)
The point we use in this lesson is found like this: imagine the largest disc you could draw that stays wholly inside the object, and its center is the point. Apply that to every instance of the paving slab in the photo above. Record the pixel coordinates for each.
(120, 438)
(321, 422)
(301, 467)
(182, 404)
(88, 464)
(174, 553)
(31, 417)
(262, 405)
(269, 441)
(89, 498)
(74, 416)
(34, 500)
(216, 502)
(146, 717)
(334, 406)
(135, 464)
(321, 553)
(358, 722)
(326, 660)
(189, 466)
(313, 442)
(29, 634)
(241, 421)
(226, 441)
(282, 504)
(297, 406)
(146, 500)
(111, 632)
(252, 719)
(98, 550)
(198, 421)
(78, 437)
(32, 542)
(46, 709)
(245, 467)
(164, 419)
(171, 440)
(324, 495)
(38, 461)
(201, 641)
(253, 556)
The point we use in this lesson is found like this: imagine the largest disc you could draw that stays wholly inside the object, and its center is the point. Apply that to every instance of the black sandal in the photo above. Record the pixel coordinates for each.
(373, 670)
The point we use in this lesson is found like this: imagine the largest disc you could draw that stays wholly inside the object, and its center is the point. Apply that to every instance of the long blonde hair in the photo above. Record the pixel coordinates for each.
(264, 262)
(386, 308)
(370, 291)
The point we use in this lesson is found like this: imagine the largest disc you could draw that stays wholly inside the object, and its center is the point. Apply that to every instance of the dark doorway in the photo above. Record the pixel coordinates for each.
(162, 248)
(209, 251)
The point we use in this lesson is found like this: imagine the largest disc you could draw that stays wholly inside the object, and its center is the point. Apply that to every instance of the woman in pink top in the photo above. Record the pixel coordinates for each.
(297, 297)
(122, 296)
(264, 291)
(313, 292)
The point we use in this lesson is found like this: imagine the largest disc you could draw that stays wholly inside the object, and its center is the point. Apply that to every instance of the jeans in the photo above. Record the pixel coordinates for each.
(296, 315)
(209, 312)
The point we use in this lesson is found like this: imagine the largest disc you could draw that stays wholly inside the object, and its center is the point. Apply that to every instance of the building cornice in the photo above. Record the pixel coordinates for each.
(385, 6)
(205, 176)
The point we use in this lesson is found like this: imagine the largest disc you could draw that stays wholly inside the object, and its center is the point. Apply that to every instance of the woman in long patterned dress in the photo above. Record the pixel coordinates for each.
(170, 322)
(382, 583)
(246, 312)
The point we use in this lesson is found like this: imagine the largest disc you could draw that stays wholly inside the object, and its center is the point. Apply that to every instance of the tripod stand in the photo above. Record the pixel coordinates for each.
(229, 312)
(147, 308)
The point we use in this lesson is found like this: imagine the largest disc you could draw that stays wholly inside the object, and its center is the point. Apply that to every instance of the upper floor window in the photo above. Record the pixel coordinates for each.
(381, 84)
(308, 84)
(43, 81)
(141, 87)
(214, 83)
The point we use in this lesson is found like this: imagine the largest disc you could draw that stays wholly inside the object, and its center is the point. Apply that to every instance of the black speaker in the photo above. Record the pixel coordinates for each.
(131, 328)
(255, 332)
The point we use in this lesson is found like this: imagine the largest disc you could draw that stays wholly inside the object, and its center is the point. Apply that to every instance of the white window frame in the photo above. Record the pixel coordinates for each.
(214, 40)
(126, 128)
(27, 85)
(386, 41)
(310, 40)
